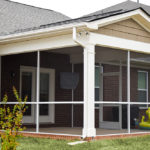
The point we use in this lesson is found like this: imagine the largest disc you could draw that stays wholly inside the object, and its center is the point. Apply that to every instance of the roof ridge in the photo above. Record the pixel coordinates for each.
(119, 4)
(46, 9)
(106, 9)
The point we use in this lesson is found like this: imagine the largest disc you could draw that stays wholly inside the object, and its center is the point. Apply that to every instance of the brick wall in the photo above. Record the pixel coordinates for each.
(11, 64)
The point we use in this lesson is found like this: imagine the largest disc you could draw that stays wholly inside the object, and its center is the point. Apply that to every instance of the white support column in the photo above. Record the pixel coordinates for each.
(128, 89)
(89, 92)
(37, 91)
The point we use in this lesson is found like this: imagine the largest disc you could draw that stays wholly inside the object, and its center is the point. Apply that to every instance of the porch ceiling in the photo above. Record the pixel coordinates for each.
(69, 50)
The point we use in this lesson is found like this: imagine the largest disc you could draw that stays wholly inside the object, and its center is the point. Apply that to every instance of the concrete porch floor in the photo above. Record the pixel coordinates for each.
(78, 131)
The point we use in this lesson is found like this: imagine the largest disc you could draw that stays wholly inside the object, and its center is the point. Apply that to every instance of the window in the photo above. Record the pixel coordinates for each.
(142, 86)
(97, 84)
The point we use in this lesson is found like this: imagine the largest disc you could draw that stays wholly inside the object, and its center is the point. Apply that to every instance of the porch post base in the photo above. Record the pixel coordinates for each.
(88, 132)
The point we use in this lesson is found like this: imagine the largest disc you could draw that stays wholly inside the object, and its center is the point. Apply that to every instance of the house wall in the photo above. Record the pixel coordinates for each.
(127, 29)
(11, 65)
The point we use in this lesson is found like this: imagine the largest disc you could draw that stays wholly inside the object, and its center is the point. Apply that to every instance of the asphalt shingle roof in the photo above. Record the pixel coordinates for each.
(120, 8)
(15, 17)
(124, 6)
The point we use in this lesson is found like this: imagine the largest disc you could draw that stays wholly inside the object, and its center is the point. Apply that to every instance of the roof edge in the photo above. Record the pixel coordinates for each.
(63, 27)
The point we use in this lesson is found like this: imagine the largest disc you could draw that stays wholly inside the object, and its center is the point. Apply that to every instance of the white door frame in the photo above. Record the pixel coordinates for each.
(50, 117)
(42, 119)
(29, 119)
(109, 124)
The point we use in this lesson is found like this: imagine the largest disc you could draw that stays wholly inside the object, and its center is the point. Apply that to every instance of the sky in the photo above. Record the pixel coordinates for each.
(75, 8)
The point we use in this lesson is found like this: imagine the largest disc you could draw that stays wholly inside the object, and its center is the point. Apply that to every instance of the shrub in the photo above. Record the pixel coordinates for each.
(11, 121)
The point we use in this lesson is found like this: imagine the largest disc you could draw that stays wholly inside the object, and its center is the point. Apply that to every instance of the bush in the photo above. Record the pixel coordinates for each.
(11, 121)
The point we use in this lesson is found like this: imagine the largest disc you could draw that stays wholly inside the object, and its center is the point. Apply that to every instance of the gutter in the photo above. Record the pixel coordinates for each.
(39, 32)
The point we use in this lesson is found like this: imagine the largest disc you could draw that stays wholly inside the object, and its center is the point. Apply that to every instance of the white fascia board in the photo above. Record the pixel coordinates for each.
(117, 18)
(38, 44)
(119, 43)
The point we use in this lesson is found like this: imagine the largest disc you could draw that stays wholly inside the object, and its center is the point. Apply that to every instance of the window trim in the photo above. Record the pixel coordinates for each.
(146, 90)
(99, 87)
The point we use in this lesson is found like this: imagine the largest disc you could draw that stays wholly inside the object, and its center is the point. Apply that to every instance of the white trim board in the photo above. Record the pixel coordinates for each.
(119, 43)
(135, 14)
(50, 117)
(38, 44)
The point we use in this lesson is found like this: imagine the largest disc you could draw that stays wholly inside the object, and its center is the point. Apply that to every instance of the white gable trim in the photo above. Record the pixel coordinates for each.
(117, 18)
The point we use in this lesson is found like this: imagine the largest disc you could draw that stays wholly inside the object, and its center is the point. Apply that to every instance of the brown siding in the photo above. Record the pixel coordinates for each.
(127, 29)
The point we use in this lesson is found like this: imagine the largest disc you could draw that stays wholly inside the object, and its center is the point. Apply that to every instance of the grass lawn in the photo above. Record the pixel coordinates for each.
(136, 143)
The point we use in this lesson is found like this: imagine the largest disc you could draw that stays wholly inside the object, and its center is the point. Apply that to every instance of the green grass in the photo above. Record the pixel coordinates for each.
(136, 143)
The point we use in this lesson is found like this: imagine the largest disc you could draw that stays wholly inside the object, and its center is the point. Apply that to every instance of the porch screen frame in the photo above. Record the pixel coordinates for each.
(29, 119)
(51, 72)
(111, 124)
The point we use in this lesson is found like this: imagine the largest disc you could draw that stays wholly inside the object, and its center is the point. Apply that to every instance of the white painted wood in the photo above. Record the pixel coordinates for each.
(28, 119)
(89, 92)
(58, 102)
(37, 91)
(128, 90)
(121, 17)
(51, 101)
(38, 44)
(50, 118)
(80, 102)
(119, 43)
(109, 124)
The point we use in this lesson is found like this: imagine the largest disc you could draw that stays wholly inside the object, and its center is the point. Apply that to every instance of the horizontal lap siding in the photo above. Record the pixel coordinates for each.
(127, 29)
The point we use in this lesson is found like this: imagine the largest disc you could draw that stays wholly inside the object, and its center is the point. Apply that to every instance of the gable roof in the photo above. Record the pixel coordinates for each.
(122, 7)
(15, 17)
